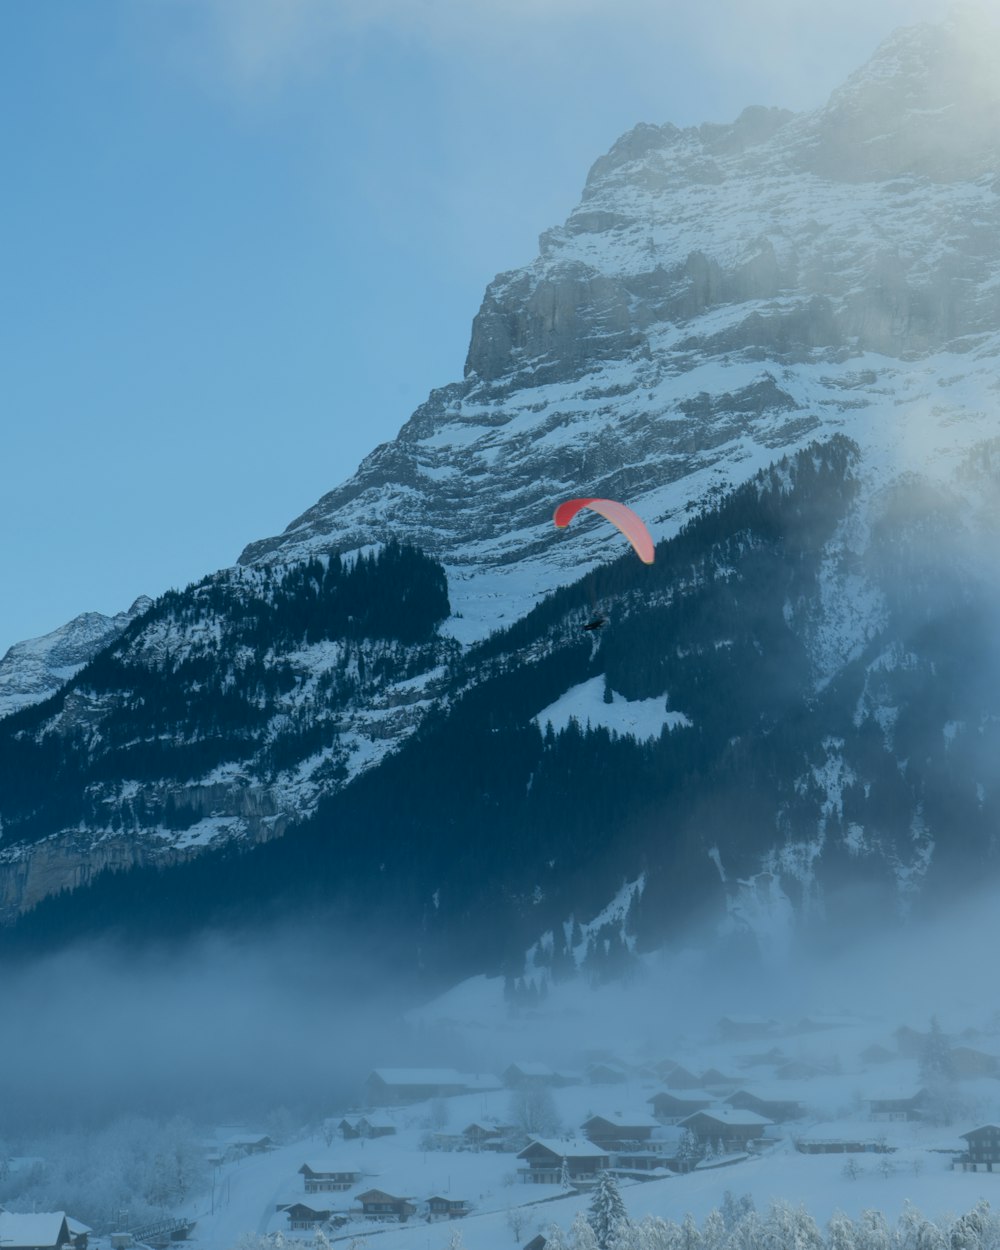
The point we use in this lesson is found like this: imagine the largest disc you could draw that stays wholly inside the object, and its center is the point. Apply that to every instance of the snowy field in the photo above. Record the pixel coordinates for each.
(506, 1211)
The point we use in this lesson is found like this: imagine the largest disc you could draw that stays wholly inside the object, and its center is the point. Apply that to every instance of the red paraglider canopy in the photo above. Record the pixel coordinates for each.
(624, 518)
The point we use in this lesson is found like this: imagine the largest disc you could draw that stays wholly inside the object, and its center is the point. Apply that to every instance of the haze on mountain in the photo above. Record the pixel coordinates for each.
(777, 339)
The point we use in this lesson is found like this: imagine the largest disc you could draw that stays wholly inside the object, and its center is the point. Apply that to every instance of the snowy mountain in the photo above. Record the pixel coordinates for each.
(778, 340)
(32, 670)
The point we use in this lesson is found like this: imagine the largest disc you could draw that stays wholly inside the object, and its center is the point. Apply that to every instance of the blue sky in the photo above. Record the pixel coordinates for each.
(242, 239)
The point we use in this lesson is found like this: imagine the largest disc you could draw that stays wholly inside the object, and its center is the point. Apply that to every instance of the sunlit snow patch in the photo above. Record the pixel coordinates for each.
(641, 719)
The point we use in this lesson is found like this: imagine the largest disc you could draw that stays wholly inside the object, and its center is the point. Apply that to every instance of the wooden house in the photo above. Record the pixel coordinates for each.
(605, 1074)
(764, 1059)
(898, 1106)
(713, 1079)
(726, 1126)
(910, 1042)
(968, 1062)
(239, 1145)
(327, 1176)
(376, 1126)
(670, 1107)
(983, 1154)
(348, 1127)
(841, 1137)
(388, 1087)
(618, 1131)
(41, 1230)
(777, 1109)
(376, 1204)
(526, 1075)
(680, 1078)
(545, 1156)
(488, 1134)
(307, 1214)
(442, 1208)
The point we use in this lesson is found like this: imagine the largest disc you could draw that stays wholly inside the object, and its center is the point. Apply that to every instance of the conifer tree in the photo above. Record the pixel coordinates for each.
(607, 1211)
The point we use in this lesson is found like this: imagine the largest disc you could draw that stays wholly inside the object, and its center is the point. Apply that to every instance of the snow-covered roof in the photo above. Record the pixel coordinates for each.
(842, 1130)
(730, 1116)
(980, 1129)
(376, 1121)
(325, 1167)
(40, 1228)
(684, 1095)
(899, 1093)
(631, 1119)
(419, 1076)
(566, 1147)
(769, 1092)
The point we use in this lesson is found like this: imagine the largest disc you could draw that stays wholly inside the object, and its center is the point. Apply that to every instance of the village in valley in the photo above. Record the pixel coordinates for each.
(830, 1113)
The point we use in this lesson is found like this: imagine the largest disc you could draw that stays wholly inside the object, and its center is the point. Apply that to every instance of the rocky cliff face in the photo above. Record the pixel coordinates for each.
(721, 297)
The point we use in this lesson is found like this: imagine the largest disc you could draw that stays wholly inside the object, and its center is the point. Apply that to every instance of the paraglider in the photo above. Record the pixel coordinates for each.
(618, 514)
(626, 520)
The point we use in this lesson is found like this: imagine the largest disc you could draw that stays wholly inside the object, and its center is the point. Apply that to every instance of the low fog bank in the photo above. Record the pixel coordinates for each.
(222, 1029)
(867, 977)
(292, 1021)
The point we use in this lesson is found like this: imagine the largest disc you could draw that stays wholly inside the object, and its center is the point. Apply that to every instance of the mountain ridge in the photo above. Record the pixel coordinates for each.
(792, 375)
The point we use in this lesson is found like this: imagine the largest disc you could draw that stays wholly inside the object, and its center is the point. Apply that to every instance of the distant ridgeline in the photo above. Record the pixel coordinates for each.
(479, 831)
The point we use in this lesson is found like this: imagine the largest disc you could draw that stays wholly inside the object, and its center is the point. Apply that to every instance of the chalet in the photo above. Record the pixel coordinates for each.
(777, 1109)
(663, 1067)
(971, 1063)
(348, 1127)
(841, 1137)
(78, 1233)
(893, 1106)
(670, 1107)
(733, 1129)
(983, 1154)
(642, 1165)
(306, 1214)
(619, 1132)
(746, 1028)
(605, 1074)
(487, 1135)
(242, 1144)
(42, 1230)
(386, 1087)
(376, 1126)
(326, 1176)
(525, 1075)
(545, 1158)
(713, 1079)
(910, 1042)
(681, 1078)
(376, 1204)
(440, 1208)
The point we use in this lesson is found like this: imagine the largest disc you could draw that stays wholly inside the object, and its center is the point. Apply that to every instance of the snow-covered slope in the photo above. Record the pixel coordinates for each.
(36, 668)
